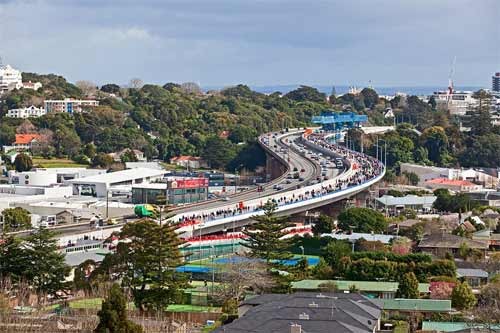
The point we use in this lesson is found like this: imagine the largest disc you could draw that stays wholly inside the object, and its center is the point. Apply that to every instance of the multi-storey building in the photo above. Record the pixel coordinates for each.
(29, 112)
(458, 102)
(495, 83)
(10, 78)
(69, 105)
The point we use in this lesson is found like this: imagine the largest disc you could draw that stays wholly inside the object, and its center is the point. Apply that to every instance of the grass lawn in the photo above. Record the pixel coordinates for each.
(192, 308)
(57, 163)
(88, 303)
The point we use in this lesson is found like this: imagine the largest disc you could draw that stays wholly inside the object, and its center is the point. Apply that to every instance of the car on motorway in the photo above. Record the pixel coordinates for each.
(295, 169)
(302, 170)
(288, 181)
(225, 199)
(301, 179)
(279, 188)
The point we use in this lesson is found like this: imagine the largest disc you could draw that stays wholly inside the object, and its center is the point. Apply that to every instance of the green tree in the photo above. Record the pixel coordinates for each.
(15, 219)
(482, 151)
(45, 267)
(23, 162)
(462, 297)
(113, 314)
(334, 251)
(102, 160)
(322, 271)
(481, 115)
(111, 88)
(362, 220)
(7, 134)
(305, 93)
(325, 224)
(218, 152)
(370, 97)
(265, 236)
(128, 156)
(435, 140)
(147, 264)
(408, 287)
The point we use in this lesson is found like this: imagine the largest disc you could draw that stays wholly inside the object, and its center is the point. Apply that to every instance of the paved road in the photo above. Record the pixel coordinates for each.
(297, 162)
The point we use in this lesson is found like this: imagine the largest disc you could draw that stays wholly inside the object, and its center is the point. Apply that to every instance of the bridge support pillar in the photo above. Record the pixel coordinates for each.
(274, 168)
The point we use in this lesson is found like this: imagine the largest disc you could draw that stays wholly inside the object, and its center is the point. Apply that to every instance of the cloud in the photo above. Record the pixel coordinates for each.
(262, 42)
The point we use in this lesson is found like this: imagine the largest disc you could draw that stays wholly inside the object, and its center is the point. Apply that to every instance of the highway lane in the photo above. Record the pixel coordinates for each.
(296, 162)
(276, 142)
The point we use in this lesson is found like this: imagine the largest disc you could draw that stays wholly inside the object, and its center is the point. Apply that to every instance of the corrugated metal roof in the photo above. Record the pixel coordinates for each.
(427, 305)
(471, 272)
(367, 286)
(389, 200)
(445, 326)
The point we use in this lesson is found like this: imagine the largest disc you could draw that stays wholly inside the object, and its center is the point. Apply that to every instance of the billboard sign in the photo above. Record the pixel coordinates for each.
(189, 183)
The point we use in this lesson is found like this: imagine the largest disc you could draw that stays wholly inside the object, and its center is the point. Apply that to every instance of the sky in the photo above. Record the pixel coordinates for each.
(255, 42)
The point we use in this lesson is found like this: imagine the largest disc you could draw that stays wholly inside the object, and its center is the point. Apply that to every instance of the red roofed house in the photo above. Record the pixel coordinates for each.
(452, 184)
(192, 162)
(224, 134)
(25, 141)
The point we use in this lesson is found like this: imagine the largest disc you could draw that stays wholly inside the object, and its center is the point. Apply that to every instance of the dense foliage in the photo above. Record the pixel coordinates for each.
(180, 120)
(146, 264)
(35, 260)
(362, 220)
(113, 314)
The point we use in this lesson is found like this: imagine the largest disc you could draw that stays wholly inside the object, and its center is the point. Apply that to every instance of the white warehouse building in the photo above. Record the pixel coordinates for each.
(50, 176)
(100, 185)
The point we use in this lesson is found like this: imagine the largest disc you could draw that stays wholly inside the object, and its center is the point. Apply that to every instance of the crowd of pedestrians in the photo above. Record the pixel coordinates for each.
(363, 169)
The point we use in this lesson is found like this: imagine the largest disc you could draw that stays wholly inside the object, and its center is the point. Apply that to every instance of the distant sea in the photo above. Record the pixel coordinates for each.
(341, 89)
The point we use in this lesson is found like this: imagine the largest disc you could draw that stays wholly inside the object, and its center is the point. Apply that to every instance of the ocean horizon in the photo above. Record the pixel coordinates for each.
(343, 89)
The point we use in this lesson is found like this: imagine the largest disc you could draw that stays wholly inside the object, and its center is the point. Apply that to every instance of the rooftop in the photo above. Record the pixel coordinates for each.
(356, 235)
(450, 326)
(389, 200)
(445, 240)
(452, 182)
(329, 312)
(425, 305)
(120, 176)
(366, 286)
(471, 272)
(23, 139)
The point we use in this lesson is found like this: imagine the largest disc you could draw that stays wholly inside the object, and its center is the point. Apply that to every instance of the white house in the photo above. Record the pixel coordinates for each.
(29, 112)
(117, 157)
(32, 85)
(10, 78)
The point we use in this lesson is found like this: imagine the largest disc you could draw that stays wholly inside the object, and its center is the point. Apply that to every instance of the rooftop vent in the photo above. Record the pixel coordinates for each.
(295, 328)
(304, 316)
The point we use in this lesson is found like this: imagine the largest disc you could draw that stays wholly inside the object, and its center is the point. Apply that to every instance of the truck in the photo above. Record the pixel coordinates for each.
(144, 210)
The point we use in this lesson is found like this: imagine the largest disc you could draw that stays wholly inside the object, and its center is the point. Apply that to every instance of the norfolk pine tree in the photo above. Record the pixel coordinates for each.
(265, 236)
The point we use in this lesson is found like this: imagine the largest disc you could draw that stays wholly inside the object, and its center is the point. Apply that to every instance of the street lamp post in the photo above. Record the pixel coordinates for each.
(212, 247)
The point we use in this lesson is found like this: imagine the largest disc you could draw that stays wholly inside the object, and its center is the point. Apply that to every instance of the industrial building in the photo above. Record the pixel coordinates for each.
(50, 176)
(395, 205)
(101, 185)
(174, 190)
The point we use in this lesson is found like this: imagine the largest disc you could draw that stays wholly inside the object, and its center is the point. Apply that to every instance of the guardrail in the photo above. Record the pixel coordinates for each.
(296, 194)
